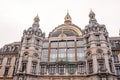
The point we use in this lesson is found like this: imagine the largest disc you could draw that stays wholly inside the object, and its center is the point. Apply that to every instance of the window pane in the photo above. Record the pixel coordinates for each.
(71, 54)
(62, 54)
(44, 55)
(54, 44)
(45, 45)
(80, 53)
(70, 43)
(62, 44)
(53, 54)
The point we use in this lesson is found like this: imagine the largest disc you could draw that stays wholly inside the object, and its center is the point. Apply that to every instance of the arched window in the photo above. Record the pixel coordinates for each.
(25, 55)
(35, 55)
(99, 53)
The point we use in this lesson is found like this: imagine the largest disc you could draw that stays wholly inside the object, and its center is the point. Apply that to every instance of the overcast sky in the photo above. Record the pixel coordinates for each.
(17, 15)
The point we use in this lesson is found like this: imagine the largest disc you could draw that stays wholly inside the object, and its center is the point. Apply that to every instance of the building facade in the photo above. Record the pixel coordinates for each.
(68, 53)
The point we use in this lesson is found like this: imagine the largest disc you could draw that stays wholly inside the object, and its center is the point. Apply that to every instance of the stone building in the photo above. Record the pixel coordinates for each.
(68, 53)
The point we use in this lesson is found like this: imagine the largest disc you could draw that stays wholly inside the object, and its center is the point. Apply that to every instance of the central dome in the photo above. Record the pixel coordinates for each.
(67, 28)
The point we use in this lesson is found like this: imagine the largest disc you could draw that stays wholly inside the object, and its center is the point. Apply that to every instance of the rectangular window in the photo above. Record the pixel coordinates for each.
(80, 54)
(33, 68)
(54, 44)
(61, 70)
(71, 54)
(45, 45)
(51, 69)
(44, 56)
(81, 68)
(111, 66)
(24, 65)
(70, 43)
(101, 66)
(53, 55)
(71, 69)
(43, 69)
(9, 60)
(117, 70)
(90, 67)
(115, 57)
(6, 71)
(61, 54)
(62, 44)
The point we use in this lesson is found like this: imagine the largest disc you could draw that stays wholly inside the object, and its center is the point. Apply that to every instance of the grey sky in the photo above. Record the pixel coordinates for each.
(17, 15)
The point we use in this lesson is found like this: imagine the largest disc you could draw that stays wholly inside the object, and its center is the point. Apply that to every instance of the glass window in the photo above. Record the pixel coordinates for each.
(90, 67)
(79, 43)
(9, 60)
(53, 54)
(117, 70)
(43, 69)
(71, 54)
(101, 66)
(44, 56)
(62, 44)
(81, 68)
(70, 43)
(6, 71)
(54, 44)
(24, 66)
(80, 53)
(61, 69)
(45, 45)
(115, 58)
(62, 54)
(51, 69)
(33, 68)
(71, 69)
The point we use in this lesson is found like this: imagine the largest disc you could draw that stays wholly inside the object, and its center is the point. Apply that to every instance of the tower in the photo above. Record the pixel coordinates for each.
(29, 55)
(97, 50)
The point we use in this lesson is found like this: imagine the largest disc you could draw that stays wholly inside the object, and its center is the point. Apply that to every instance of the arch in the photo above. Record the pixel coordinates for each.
(69, 30)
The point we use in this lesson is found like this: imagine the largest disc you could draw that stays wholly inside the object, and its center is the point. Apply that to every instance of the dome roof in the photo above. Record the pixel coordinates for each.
(67, 29)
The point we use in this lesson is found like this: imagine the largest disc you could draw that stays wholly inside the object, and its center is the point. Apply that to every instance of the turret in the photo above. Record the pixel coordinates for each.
(31, 46)
(97, 47)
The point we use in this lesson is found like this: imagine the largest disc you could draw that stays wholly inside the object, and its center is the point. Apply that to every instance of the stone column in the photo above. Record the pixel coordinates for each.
(29, 64)
(107, 62)
(95, 67)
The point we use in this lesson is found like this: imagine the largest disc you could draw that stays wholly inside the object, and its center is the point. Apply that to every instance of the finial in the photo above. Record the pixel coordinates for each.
(91, 14)
(68, 18)
(92, 17)
(36, 21)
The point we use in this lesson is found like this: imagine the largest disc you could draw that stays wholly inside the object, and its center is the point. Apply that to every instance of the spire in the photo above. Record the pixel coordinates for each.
(36, 21)
(92, 17)
(67, 18)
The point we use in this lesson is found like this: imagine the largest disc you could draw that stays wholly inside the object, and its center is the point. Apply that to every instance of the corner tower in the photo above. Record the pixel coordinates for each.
(97, 50)
(29, 55)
